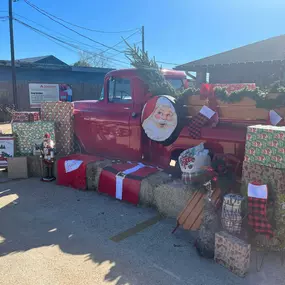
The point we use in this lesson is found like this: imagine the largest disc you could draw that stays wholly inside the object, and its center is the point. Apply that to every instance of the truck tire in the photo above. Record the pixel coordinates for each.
(161, 119)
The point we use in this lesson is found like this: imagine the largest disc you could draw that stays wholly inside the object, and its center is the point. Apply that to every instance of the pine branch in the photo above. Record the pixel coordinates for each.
(149, 71)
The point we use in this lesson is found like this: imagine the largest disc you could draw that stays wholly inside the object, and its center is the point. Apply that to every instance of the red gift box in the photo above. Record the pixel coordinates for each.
(25, 116)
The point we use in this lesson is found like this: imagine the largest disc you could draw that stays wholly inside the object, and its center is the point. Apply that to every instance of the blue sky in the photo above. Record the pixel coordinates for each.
(176, 31)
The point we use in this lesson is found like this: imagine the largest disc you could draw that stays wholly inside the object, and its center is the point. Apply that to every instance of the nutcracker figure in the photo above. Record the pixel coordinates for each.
(47, 158)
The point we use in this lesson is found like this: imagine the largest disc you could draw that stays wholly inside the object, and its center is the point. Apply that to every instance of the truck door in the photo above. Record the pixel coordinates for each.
(117, 123)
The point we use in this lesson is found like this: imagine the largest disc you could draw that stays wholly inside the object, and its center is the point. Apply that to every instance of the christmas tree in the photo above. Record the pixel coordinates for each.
(151, 74)
(149, 71)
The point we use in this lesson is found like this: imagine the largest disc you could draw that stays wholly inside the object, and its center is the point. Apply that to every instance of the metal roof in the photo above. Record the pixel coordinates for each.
(272, 49)
(49, 59)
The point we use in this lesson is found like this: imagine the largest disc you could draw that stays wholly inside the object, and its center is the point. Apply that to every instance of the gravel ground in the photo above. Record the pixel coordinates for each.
(56, 235)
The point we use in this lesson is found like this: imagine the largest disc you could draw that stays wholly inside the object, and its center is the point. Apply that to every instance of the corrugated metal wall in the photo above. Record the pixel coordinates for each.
(85, 85)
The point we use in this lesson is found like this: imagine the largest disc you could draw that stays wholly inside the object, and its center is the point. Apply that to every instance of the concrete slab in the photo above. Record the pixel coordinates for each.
(57, 235)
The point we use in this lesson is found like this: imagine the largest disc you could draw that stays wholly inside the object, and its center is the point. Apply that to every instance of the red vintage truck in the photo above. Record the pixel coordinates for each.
(111, 126)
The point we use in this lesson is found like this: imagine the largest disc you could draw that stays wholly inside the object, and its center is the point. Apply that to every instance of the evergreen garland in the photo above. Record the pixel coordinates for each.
(259, 96)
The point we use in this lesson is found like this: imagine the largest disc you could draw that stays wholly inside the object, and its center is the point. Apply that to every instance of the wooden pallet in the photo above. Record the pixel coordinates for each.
(192, 215)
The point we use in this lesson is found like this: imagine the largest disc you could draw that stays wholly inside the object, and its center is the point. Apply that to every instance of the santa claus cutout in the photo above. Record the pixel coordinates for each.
(159, 118)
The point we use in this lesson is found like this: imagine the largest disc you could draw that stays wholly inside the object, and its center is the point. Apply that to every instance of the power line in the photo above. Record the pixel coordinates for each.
(168, 63)
(43, 13)
(64, 42)
(78, 42)
(81, 27)
(123, 51)
(122, 41)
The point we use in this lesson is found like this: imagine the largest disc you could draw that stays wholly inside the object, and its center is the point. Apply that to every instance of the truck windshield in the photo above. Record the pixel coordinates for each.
(177, 83)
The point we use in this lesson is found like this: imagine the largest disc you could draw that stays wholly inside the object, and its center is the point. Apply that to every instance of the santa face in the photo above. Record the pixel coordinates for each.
(163, 117)
(161, 123)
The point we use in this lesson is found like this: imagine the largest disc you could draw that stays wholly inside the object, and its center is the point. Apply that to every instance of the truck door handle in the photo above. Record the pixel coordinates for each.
(126, 108)
(134, 114)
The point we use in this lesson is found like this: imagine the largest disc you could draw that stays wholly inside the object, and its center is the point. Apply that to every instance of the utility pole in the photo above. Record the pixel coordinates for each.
(14, 81)
(143, 38)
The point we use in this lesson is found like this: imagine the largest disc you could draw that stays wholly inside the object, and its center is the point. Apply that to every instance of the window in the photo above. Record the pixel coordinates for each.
(101, 98)
(119, 90)
(177, 83)
(207, 77)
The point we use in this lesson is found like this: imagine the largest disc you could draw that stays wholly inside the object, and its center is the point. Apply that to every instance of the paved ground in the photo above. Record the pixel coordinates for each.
(56, 235)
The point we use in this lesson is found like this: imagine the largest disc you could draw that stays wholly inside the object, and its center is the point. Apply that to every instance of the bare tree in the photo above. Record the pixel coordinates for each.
(91, 60)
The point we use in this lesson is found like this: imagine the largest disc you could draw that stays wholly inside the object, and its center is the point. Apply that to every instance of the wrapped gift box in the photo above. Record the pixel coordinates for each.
(57, 111)
(232, 252)
(64, 135)
(265, 175)
(280, 217)
(265, 145)
(25, 116)
(27, 133)
(275, 179)
(62, 114)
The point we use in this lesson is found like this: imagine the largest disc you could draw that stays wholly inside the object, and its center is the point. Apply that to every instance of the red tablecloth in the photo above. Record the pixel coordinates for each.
(77, 177)
(125, 186)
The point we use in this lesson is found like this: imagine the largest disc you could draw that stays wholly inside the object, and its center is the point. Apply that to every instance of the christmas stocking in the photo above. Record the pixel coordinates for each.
(257, 200)
(198, 121)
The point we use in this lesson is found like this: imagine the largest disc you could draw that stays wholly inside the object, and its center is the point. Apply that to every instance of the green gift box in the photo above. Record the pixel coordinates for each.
(265, 145)
(27, 133)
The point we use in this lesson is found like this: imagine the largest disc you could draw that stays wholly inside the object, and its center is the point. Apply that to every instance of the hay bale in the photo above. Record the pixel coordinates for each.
(93, 172)
(171, 198)
(146, 196)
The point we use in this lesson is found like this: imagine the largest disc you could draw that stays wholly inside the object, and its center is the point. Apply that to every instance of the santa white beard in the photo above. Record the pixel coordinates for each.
(158, 133)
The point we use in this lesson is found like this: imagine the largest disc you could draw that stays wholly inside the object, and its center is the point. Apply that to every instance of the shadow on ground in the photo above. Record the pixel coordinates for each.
(35, 215)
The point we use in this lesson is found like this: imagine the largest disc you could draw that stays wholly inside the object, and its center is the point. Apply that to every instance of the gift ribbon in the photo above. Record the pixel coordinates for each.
(121, 176)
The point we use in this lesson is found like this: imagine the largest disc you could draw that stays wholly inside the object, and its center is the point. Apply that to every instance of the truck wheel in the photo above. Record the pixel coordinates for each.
(161, 120)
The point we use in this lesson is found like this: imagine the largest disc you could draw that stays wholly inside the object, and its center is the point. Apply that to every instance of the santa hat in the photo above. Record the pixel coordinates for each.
(273, 118)
(47, 136)
(151, 104)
